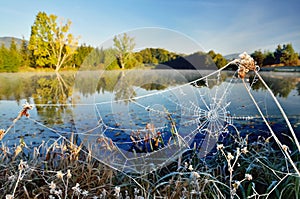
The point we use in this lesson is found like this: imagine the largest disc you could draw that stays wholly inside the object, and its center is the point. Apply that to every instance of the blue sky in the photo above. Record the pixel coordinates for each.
(224, 26)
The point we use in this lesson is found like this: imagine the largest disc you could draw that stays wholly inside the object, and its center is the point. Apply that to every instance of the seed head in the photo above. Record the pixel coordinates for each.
(286, 148)
(248, 176)
(220, 146)
(52, 185)
(236, 185)
(244, 150)
(2, 133)
(69, 175)
(23, 165)
(9, 196)
(59, 175)
(230, 156)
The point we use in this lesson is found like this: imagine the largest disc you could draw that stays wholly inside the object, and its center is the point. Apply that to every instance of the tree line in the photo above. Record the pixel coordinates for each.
(51, 45)
(282, 56)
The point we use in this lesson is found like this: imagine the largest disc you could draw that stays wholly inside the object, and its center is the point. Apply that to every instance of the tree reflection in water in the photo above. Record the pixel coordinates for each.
(52, 92)
(280, 85)
(52, 97)
(118, 83)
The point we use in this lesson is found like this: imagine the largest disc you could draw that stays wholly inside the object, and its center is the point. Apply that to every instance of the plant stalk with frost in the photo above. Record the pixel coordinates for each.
(247, 63)
(24, 112)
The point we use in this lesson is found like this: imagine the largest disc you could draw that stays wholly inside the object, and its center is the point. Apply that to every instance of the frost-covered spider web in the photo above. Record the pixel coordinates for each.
(147, 130)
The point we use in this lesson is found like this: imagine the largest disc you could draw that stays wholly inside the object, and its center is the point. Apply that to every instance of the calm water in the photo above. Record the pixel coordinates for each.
(118, 104)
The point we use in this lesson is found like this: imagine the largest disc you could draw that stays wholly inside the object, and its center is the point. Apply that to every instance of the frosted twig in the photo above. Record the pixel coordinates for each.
(281, 110)
(23, 112)
(271, 130)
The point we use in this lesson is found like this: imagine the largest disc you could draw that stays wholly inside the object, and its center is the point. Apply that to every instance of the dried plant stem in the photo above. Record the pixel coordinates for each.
(230, 169)
(281, 110)
(66, 188)
(272, 132)
(17, 183)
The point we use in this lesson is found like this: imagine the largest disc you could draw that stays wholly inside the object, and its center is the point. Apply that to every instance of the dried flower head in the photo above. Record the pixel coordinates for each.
(286, 148)
(242, 72)
(248, 176)
(236, 184)
(220, 146)
(59, 192)
(230, 156)
(117, 191)
(24, 111)
(9, 196)
(85, 193)
(191, 167)
(193, 192)
(52, 187)
(59, 175)
(244, 150)
(12, 178)
(246, 63)
(22, 165)
(194, 175)
(18, 150)
(2, 133)
(76, 189)
(136, 191)
(69, 175)
(186, 165)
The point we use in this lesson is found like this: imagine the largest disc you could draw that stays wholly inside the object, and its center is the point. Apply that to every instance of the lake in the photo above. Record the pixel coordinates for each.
(146, 116)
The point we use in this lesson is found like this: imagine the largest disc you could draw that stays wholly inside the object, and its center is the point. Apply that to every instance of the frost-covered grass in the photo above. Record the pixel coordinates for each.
(239, 170)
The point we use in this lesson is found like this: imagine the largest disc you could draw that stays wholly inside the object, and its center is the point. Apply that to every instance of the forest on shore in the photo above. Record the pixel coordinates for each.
(52, 47)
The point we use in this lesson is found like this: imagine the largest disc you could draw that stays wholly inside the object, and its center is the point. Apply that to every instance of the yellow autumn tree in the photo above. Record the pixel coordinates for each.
(50, 42)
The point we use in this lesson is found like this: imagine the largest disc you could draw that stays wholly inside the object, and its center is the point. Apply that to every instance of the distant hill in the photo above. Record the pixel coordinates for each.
(7, 40)
(195, 61)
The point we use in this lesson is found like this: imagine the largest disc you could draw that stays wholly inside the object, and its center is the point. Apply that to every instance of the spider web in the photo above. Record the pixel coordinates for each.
(149, 130)
(145, 132)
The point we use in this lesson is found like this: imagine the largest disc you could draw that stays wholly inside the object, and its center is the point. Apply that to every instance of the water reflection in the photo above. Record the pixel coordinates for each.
(51, 94)
(281, 85)
(49, 89)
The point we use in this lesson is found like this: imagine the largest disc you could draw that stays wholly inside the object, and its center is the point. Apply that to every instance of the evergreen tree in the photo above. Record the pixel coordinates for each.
(288, 55)
(81, 54)
(24, 53)
(2, 57)
(259, 57)
(14, 57)
(278, 54)
(269, 58)
(9, 58)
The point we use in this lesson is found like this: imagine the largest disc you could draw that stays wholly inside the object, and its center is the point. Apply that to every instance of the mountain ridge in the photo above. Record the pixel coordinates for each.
(7, 41)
